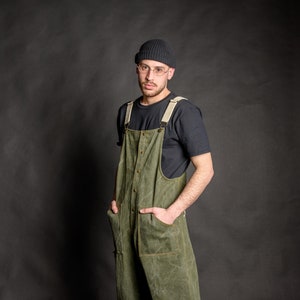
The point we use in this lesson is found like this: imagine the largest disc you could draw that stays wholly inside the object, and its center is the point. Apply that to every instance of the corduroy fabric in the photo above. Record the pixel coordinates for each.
(158, 50)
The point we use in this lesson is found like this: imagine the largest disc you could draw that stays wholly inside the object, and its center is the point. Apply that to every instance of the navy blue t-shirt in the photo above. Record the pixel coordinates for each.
(185, 134)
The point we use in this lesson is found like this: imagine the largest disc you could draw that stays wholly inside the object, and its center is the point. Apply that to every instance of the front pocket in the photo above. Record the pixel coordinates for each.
(156, 237)
(115, 227)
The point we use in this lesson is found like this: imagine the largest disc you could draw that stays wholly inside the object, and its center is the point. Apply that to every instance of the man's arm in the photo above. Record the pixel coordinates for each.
(201, 177)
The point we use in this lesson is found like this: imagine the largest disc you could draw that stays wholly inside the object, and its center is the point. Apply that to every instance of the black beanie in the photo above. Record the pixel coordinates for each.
(158, 50)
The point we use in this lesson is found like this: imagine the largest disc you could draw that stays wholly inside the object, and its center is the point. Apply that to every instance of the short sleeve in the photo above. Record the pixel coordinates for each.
(120, 124)
(191, 130)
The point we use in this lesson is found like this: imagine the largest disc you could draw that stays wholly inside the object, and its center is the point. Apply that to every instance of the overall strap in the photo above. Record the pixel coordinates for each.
(128, 113)
(166, 117)
(170, 108)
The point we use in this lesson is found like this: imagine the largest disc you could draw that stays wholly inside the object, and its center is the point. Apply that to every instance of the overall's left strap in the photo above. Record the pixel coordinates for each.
(170, 108)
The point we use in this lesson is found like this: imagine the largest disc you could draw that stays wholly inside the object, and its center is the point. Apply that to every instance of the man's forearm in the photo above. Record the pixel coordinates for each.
(196, 185)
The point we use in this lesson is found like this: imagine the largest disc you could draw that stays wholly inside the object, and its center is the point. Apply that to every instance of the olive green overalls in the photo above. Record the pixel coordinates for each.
(153, 260)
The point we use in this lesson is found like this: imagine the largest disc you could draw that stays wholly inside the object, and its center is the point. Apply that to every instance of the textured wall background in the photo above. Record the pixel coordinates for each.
(66, 67)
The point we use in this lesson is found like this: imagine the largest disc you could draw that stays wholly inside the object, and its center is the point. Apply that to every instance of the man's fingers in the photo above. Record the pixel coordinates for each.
(114, 207)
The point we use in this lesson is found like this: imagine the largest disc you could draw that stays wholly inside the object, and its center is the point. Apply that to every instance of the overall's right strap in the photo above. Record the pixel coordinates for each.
(128, 113)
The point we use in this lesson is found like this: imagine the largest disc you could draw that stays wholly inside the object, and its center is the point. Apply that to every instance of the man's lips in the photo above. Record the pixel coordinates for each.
(148, 85)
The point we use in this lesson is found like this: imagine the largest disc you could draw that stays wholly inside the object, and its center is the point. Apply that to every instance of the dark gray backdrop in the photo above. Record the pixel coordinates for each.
(66, 67)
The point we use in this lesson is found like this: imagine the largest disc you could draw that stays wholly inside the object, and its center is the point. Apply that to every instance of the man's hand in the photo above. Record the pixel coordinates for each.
(114, 207)
(161, 214)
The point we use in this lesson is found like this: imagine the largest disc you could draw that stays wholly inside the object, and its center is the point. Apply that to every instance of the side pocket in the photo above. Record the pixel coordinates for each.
(156, 237)
(115, 227)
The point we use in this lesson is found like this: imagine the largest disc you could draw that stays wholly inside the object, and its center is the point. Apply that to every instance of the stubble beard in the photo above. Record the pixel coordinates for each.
(151, 93)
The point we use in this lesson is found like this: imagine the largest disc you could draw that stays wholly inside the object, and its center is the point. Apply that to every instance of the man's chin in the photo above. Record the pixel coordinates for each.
(149, 93)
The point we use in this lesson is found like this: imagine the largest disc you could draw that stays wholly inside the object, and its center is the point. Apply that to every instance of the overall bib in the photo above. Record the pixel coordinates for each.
(153, 260)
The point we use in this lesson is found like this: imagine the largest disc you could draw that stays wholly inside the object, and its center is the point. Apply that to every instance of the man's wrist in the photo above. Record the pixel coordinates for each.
(175, 210)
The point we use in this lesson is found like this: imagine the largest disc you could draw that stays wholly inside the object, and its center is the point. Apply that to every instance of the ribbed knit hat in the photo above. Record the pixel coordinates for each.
(158, 50)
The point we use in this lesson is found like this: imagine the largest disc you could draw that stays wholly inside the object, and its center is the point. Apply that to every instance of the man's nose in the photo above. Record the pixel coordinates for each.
(150, 74)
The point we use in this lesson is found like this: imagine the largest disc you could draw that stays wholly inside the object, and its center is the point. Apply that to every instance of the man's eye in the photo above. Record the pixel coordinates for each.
(159, 70)
(144, 68)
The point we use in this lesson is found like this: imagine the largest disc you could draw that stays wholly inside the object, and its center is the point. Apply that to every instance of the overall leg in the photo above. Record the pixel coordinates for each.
(171, 268)
(131, 280)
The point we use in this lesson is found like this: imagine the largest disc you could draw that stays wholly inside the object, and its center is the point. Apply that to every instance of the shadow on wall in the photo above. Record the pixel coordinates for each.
(84, 216)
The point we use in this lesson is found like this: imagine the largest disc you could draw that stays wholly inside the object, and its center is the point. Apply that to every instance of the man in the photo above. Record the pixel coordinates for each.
(160, 134)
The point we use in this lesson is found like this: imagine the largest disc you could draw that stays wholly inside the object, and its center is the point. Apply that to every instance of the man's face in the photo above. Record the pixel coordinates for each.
(153, 77)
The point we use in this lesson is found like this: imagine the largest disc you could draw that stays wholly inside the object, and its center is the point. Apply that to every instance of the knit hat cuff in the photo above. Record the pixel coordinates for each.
(157, 50)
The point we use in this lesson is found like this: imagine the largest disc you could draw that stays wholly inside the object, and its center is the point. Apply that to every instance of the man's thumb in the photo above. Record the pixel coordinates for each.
(146, 210)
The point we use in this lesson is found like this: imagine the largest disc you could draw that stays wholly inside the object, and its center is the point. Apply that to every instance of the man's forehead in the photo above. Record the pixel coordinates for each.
(153, 63)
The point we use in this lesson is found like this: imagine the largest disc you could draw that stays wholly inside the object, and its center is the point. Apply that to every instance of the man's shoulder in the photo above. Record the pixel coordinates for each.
(186, 103)
(125, 104)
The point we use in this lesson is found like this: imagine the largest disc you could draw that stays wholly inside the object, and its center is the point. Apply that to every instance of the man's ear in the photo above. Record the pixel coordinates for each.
(171, 72)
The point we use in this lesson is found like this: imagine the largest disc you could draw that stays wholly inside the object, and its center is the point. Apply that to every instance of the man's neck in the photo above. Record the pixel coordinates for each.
(148, 100)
